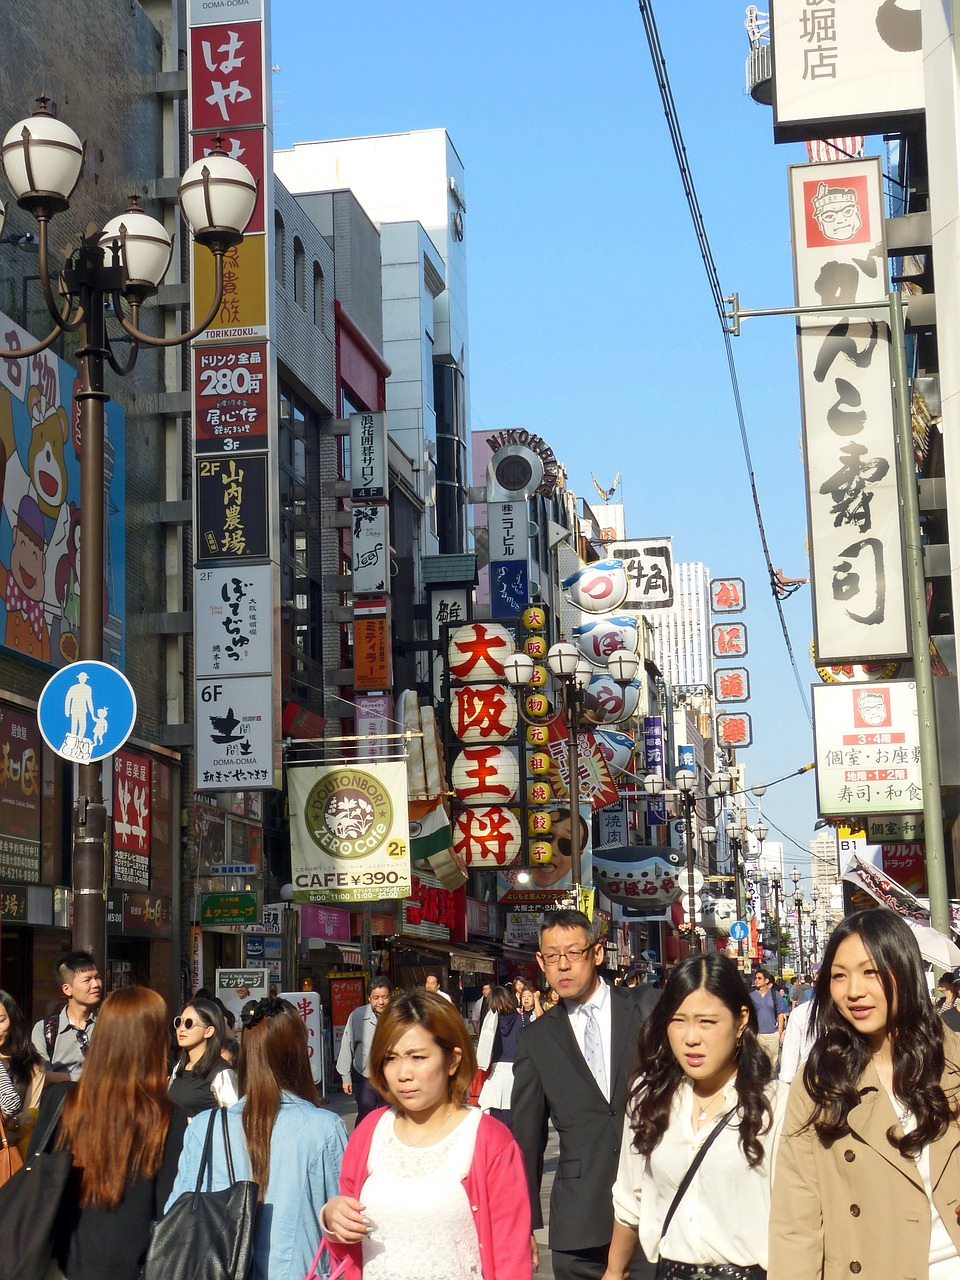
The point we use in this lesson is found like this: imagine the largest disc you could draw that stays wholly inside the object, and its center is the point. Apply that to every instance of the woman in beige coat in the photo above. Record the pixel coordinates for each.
(867, 1177)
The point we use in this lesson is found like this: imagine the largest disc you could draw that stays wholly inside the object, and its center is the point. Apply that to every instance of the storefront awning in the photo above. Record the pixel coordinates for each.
(463, 959)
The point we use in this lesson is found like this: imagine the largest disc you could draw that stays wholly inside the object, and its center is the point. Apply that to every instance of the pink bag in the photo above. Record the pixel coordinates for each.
(314, 1272)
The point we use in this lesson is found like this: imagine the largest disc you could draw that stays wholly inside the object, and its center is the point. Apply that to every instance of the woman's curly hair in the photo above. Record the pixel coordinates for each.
(840, 1053)
(660, 1074)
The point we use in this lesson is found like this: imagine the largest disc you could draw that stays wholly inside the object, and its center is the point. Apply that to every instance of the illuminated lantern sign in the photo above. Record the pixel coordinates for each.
(488, 837)
(476, 652)
(483, 713)
(598, 587)
(485, 775)
(734, 730)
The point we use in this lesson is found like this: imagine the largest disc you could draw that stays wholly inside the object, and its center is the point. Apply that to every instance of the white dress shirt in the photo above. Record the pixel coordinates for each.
(725, 1212)
(599, 1002)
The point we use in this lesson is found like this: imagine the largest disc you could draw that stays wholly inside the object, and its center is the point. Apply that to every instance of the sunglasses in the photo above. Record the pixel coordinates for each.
(186, 1023)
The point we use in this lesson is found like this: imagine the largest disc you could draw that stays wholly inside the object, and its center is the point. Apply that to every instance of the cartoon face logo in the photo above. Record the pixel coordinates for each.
(872, 708)
(837, 211)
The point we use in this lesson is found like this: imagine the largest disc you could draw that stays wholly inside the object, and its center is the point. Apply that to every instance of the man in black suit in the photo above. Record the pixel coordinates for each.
(574, 1066)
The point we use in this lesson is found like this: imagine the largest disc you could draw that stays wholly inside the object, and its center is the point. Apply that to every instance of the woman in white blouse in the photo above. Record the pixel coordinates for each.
(702, 1090)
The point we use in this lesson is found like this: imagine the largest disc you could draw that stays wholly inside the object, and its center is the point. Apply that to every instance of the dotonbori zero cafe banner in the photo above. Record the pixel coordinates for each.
(349, 835)
(850, 454)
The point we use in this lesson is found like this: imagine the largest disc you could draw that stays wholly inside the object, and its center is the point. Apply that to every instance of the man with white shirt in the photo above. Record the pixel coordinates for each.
(574, 1069)
(432, 984)
(353, 1060)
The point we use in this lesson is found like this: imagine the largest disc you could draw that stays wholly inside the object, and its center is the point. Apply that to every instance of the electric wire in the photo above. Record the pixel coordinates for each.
(713, 280)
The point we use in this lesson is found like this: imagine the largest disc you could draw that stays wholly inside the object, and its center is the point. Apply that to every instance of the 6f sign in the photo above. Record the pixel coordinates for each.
(234, 733)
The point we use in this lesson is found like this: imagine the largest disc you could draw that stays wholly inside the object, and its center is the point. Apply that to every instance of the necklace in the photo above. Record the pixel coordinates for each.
(429, 1131)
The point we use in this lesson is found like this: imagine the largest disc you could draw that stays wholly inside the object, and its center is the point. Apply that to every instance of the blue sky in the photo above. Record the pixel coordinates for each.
(591, 322)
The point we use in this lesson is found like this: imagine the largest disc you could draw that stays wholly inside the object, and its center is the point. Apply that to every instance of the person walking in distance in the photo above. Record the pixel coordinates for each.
(353, 1061)
(62, 1039)
(771, 1015)
(432, 984)
(573, 1069)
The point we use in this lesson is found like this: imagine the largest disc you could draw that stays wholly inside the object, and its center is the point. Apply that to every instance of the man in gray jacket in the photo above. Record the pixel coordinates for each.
(353, 1060)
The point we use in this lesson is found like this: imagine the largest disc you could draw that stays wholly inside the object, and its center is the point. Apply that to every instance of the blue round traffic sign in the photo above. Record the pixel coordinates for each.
(739, 930)
(87, 711)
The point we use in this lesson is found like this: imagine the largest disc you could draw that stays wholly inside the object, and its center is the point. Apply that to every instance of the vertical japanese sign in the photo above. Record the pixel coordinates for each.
(841, 65)
(649, 566)
(132, 786)
(236, 601)
(20, 799)
(867, 740)
(850, 454)
(653, 762)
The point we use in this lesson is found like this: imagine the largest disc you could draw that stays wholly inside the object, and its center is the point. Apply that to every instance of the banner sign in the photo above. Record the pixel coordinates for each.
(349, 834)
(132, 777)
(649, 566)
(867, 742)
(731, 684)
(231, 398)
(850, 450)
(596, 782)
(368, 456)
(727, 595)
(232, 621)
(653, 762)
(841, 68)
(371, 548)
(42, 517)
(20, 796)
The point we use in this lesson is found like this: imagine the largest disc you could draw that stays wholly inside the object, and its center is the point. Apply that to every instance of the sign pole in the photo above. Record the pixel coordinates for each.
(919, 630)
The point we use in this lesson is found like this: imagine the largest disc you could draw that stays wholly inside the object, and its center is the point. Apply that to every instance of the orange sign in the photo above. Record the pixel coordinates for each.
(371, 653)
(243, 311)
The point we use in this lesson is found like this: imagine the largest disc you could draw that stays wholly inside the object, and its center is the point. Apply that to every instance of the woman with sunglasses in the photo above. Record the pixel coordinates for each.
(868, 1176)
(202, 1078)
(280, 1137)
(124, 1134)
(693, 1185)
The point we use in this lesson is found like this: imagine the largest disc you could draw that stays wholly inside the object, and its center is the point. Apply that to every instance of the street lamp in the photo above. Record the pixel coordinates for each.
(118, 267)
(573, 672)
(815, 896)
(798, 904)
(776, 884)
(685, 782)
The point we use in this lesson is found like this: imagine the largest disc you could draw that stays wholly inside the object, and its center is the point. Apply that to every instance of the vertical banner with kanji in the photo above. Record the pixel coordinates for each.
(236, 600)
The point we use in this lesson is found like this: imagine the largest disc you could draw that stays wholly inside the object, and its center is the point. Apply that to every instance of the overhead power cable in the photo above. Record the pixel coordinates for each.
(713, 279)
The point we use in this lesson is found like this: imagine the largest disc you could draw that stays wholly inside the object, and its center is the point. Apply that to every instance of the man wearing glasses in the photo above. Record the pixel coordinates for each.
(63, 1038)
(574, 1069)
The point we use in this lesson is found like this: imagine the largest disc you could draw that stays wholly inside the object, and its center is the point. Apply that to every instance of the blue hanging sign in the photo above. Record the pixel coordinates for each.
(739, 930)
(87, 711)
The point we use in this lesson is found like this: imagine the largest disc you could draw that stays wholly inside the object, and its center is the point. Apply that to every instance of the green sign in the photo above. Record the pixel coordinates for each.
(228, 908)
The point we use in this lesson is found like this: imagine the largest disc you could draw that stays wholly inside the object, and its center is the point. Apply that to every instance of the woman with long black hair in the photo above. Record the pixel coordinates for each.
(693, 1184)
(22, 1073)
(868, 1170)
(202, 1078)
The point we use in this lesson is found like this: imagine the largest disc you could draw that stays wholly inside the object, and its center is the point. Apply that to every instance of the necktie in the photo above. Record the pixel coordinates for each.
(593, 1049)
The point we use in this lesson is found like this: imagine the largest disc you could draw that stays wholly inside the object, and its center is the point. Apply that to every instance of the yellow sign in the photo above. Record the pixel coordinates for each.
(243, 311)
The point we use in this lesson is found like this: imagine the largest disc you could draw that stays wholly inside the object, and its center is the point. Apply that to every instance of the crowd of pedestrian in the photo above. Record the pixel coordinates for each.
(709, 1131)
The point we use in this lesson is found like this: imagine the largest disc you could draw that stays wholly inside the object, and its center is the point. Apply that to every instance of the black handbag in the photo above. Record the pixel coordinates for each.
(29, 1204)
(206, 1235)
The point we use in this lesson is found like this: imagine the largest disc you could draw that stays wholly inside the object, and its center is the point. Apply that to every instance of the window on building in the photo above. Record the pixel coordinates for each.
(279, 250)
(298, 269)
(319, 315)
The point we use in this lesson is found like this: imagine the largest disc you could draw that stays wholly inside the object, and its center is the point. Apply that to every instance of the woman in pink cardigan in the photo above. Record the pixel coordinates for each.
(429, 1186)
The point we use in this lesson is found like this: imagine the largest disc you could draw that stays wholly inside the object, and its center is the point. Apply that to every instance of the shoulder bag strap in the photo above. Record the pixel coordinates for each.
(204, 1159)
(38, 1145)
(695, 1164)
(226, 1144)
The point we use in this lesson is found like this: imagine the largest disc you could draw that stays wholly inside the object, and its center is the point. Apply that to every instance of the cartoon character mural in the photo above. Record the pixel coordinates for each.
(40, 524)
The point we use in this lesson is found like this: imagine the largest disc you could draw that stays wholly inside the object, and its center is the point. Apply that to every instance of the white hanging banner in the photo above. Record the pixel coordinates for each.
(850, 451)
(349, 832)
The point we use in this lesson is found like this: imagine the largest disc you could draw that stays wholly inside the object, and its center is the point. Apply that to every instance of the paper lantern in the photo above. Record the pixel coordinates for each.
(485, 775)
(599, 587)
(535, 647)
(483, 713)
(488, 837)
(539, 823)
(537, 735)
(541, 852)
(537, 705)
(477, 651)
(539, 793)
(534, 618)
(538, 763)
(539, 677)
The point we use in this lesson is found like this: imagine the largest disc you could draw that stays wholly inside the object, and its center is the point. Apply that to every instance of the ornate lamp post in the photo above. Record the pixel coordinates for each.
(798, 904)
(814, 949)
(776, 884)
(115, 267)
(573, 673)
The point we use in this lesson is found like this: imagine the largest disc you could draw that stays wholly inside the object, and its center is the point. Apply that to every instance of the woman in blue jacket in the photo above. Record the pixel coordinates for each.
(280, 1137)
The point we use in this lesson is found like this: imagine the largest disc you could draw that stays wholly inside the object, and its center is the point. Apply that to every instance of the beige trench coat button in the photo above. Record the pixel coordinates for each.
(855, 1268)
(849, 1156)
(854, 1211)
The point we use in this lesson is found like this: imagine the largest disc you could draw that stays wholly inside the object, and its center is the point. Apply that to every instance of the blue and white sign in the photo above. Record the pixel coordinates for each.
(739, 930)
(234, 869)
(87, 711)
